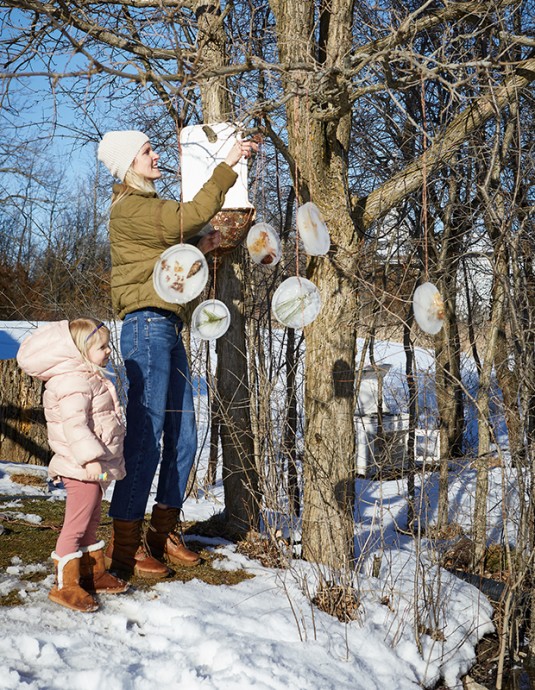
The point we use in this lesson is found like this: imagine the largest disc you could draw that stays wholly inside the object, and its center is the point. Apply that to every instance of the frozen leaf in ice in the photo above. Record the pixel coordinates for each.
(195, 268)
(210, 320)
(428, 306)
(296, 302)
(264, 244)
(312, 230)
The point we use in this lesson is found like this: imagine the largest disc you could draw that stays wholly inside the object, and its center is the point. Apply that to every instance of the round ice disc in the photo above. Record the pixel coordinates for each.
(264, 244)
(312, 230)
(210, 320)
(180, 273)
(296, 302)
(428, 308)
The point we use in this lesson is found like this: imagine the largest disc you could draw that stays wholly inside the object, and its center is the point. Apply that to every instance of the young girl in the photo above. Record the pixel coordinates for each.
(85, 432)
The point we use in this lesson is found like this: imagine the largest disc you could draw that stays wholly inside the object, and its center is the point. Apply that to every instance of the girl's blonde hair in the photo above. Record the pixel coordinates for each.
(83, 330)
(133, 180)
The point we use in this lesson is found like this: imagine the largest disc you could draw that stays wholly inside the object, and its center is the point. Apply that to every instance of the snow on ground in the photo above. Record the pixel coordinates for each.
(263, 633)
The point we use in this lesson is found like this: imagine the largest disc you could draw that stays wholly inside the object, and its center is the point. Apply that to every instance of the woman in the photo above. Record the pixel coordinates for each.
(160, 416)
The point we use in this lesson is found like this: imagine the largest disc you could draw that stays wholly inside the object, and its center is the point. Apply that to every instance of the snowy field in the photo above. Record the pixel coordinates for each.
(263, 633)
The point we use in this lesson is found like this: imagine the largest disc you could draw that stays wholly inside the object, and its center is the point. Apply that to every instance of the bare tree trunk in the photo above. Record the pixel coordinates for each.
(23, 436)
(507, 376)
(329, 461)
(448, 382)
(483, 418)
(413, 419)
(240, 480)
(497, 220)
(211, 470)
(290, 427)
(318, 149)
(291, 363)
(448, 343)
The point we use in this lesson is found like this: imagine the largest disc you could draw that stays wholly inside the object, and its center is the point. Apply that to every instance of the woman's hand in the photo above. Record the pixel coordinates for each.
(209, 241)
(94, 470)
(242, 148)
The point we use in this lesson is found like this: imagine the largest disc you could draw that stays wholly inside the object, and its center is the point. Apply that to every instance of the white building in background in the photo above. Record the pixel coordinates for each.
(381, 435)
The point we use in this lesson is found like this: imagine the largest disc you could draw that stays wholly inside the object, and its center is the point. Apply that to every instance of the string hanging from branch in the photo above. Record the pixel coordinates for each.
(428, 305)
(210, 319)
(263, 243)
(297, 301)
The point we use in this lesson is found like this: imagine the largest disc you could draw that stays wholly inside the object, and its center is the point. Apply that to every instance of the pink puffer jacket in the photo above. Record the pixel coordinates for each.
(82, 410)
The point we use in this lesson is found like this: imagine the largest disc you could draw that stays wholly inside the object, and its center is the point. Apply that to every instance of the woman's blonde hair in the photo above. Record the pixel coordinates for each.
(83, 330)
(133, 180)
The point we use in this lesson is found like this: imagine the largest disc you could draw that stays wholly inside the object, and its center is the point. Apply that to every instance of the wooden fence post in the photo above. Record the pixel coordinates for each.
(23, 436)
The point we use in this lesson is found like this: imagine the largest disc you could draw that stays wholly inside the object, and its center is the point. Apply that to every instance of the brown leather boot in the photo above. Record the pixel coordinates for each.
(67, 591)
(165, 542)
(93, 574)
(126, 554)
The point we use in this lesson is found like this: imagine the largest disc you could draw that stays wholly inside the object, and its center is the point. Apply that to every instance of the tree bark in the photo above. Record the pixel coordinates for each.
(23, 435)
(319, 150)
(240, 479)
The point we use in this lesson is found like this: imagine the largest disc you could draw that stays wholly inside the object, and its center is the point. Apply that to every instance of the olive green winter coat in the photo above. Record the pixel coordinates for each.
(142, 226)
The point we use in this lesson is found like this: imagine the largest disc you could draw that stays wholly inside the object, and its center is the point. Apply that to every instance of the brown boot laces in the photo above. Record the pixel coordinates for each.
(177, 537)
(175, 531)
(144, 545)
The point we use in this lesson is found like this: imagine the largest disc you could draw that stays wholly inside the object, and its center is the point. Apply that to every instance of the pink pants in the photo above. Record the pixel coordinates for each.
(82, 516)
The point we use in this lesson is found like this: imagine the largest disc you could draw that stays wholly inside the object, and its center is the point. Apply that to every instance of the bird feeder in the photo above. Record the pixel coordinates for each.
(203, 147)
(382, 435)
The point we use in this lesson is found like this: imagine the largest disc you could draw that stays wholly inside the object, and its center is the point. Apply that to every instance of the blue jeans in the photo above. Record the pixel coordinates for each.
(160, 416)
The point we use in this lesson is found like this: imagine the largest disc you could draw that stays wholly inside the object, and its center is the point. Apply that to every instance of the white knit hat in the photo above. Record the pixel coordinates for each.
(118, 149)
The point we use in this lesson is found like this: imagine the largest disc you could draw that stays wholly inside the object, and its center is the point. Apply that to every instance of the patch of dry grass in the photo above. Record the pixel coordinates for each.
(33, 542)
(29, 480)
(337, 600)
(260, 548)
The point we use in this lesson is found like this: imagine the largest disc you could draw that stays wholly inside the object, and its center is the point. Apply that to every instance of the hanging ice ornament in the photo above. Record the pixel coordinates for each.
(428, 306)
(264, 244)
(210, 320)
(296, 302)
(180, 274)
(312, 230)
